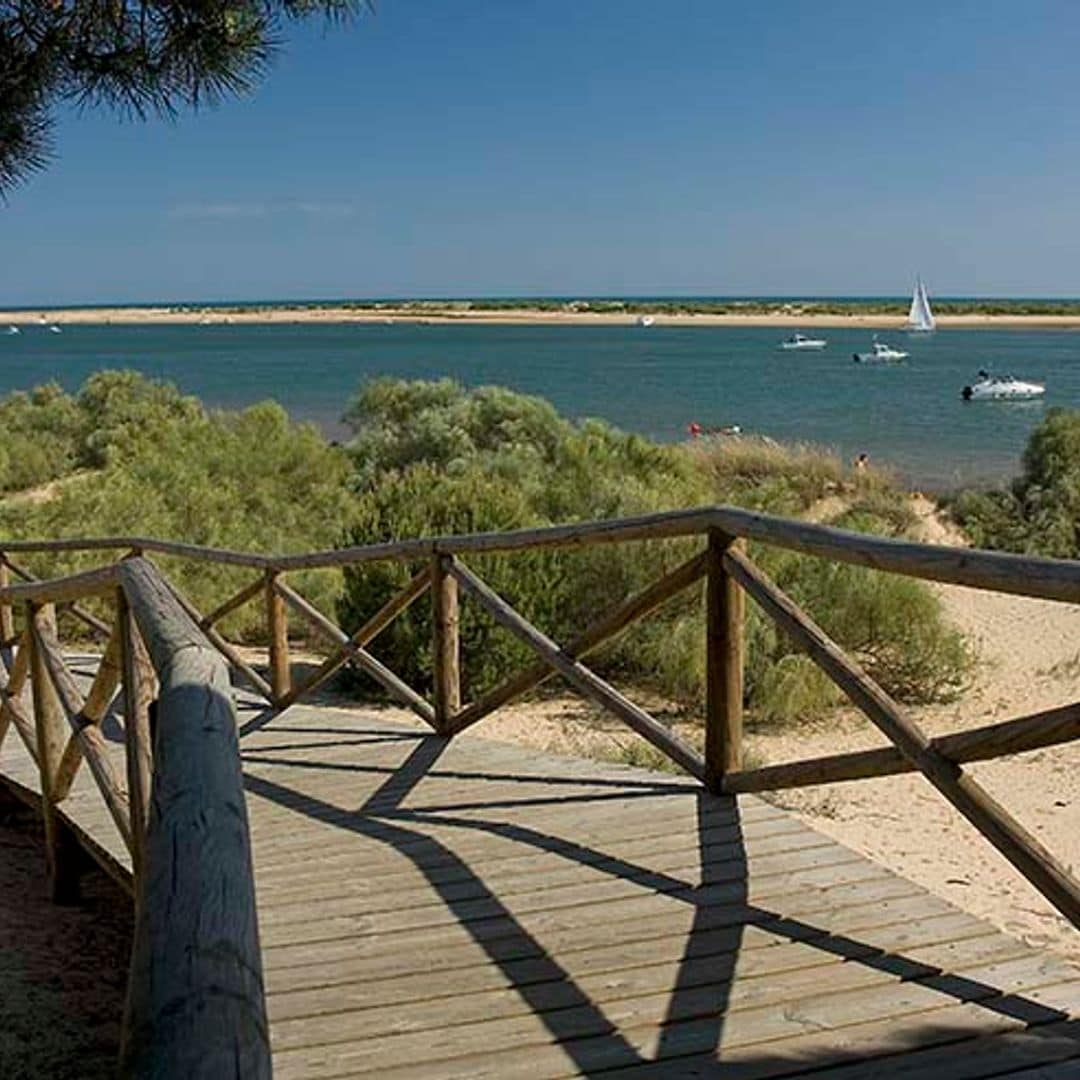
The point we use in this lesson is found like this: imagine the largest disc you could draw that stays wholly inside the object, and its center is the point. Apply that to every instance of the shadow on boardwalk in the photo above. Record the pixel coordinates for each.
(717, 896)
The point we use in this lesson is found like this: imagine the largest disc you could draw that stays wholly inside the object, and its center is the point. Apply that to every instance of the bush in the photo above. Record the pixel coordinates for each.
(436, 459)
(250, 480)
(1040, 513)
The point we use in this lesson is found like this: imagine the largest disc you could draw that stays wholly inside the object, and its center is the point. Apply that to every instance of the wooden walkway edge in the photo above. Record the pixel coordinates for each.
(460, 909)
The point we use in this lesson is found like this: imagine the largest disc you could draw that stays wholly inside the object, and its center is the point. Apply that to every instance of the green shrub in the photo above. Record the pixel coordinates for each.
(250, 480)
(1040, 514)
(437, 459)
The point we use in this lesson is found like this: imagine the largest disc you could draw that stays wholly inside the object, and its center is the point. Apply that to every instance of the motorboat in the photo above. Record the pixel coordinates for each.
(13, 329)
(1002, 388)
(920, 317)
(801, 341)
(645, 320)
(881, 354)
(54, 329)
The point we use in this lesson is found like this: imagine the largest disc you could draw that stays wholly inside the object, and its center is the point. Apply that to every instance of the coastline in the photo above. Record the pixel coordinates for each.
(136, 316)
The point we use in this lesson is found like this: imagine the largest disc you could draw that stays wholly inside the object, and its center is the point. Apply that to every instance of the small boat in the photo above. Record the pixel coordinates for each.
(645, 320)
(1002, 388)
(54, 329)
(920, 317)
(881, 354)
(801, 341)
(13, 329)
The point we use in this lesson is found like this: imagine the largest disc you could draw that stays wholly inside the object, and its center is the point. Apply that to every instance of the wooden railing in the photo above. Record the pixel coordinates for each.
(179, 639)
(195, 996)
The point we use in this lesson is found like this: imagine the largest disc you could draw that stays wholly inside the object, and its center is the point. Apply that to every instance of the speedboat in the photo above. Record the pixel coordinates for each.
(13, 329)
(881, 354)
(54, 329)
(1002, 388)
(800, 341)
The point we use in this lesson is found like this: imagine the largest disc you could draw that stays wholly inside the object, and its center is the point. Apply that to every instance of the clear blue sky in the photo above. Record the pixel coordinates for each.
(590, 147)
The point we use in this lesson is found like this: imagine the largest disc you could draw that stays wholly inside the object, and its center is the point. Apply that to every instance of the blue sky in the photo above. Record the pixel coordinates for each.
(513, 147)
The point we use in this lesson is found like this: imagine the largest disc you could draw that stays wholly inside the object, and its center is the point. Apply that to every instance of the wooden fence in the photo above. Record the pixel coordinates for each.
(159, 648)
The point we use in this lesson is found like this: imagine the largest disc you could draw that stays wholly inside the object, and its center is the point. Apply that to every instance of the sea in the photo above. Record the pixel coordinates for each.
(655, 381)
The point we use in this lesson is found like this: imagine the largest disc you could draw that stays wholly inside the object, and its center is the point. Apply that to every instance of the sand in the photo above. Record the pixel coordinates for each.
(63, 969)
(135, 316)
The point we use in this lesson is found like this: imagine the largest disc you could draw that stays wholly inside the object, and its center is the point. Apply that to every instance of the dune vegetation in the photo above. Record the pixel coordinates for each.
(127, 455)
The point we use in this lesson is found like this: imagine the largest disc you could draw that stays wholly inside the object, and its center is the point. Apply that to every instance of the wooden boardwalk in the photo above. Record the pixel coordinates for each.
(473, 909)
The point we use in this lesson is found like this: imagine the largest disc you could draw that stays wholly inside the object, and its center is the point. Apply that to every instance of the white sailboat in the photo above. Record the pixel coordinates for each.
(920, 317)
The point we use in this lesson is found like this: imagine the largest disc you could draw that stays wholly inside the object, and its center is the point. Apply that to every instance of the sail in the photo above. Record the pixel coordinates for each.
(920, 317)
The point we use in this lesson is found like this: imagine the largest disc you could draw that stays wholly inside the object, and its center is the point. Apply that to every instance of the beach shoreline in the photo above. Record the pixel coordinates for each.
(300, 314)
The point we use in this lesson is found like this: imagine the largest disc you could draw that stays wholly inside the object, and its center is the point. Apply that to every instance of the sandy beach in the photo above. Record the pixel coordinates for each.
(138, 316)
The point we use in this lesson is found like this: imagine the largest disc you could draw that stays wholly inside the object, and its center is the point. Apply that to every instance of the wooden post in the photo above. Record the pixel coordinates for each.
(51, 731)
(278, 627)
(446, 642)
(138, 746)
(7, 620)
(724, 662)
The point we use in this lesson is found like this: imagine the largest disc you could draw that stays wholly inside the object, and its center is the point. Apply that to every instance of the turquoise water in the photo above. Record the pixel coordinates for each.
(653, 381)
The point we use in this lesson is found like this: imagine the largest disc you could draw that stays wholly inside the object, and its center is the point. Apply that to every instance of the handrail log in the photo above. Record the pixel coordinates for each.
(1022, 575)
(1048, 728)
(62, 590)
(196, 1007)
(1051, 579)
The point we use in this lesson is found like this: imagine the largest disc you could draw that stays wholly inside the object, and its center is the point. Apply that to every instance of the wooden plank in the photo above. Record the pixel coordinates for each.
(878, 899)
(474, 897)
(579, 676)
(488, 917)
(970, 1059)
(1049, 727)
(571, 1041)
(626, 995)
(865, 1047)
(446, 643)
(605, 827)
(724, 663)
(498, 850)
(754, 951)
(195, 995)
(561, 861)
(602, 631)
(1011, 839)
